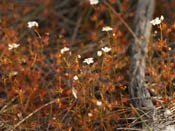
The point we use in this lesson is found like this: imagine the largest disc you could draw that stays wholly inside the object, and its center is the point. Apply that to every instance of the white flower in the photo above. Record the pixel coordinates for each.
(167, 112)
(99, 103)
(75, 77)
(157, 20)
(106, 49)
(65, 49)
(54, 118)
(89, 60)
(32, 24)
(94, 2)
(99, 53)
(13, 46)
(74, 92)
(90, 114)
(13, 73)
(79, 56)
(161, 17)
(106, 28)
(155, 31)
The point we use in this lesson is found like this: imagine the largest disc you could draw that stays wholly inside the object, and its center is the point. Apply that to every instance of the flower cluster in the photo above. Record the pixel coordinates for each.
(157, 20)
(104, 49)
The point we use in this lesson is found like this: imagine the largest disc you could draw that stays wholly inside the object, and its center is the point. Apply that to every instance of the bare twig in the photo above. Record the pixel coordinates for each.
(76, 29)
(121, 19)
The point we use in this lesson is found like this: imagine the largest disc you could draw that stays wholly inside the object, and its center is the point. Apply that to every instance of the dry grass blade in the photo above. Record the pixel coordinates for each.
(32, 113)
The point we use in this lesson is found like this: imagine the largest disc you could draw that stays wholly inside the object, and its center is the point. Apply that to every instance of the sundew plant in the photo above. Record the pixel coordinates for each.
(64, 64)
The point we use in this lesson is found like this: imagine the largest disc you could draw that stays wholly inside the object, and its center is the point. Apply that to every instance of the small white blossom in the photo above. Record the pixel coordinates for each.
(99, 103)
(155, 31)
(13, 73)
(65, 49)
(79, 56)
(89, 60)
(157, 20)
(167, 112)
(13, 46)
(32, 24)
(90, 114)
(74, 92)
(99, 53)
(75, 77)
(106, 49)
(94, 2)
(161, 17)
(106, 28)
(54, 118)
